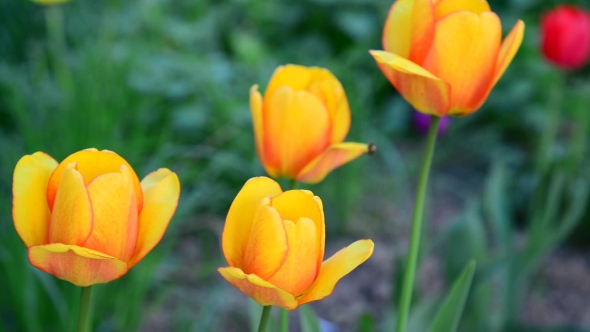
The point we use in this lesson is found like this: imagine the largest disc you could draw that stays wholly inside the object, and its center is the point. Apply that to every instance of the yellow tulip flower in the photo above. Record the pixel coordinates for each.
(301, 124)
(445, 56)
(88, 220)
(273, 242)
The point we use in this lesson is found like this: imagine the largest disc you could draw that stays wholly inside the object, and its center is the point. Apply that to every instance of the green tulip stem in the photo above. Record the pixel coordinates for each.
(293, 184)
(284, 320)
(412, 260)
(552, 122)
(264, 318)
(582, 117)
(54, 20)
(84, 309)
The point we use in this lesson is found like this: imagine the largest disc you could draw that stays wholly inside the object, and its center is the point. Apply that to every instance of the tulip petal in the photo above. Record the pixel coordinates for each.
(258, 124)
(409, 29)
(80, 266)
(300, 267)
(508, 50)
(464, 54)
(161, 191)
(30, 212)
(397, 32)
(336, 267)
(267, 244)
(240, 217)
(322, 235)
(92, 163)
(334, 157)
(296, 77)
(423, 25)
(297, 204)
(261, 291)
(72, 217)
(445, 7)
(332, 95)
(115, 215)
(426, 92)
(298, 125)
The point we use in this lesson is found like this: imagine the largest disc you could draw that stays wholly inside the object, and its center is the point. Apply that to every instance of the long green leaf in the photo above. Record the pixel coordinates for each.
(447, 318)
(254, 312)
(308, 320)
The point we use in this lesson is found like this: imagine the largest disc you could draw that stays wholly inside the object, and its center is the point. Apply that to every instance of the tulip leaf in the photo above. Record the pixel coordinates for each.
(254, 312)
(449, 314)
(308, 320)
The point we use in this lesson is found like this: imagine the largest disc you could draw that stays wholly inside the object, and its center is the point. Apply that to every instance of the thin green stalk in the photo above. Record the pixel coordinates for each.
(578, 143)
(552, 122)
(264, 318)
(412, 261)
(57, 45)
(84, 309)
(284, 321)
(293, 184)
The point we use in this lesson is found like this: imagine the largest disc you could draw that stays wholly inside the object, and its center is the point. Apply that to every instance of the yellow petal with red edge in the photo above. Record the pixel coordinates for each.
(319, 74)
(423, 25)
(115, 215)
(322, 236)
(296, 77)
(257, 123)
(72, 217)
(445, 7)
(297, 204)
(80, 266)
(424, 91)
(409, 29)
(92, 163)
(300, 268)
(259, 290)
(397, 32)
(240, 217)
(299, 125)
(464, 54)
(161, 190)
(508, 50)
(334, 157)
(267, 244)
(30, 211)
(336, 267)
(332, 95)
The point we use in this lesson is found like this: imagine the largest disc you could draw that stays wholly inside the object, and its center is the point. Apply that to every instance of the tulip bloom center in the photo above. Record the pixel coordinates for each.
(91, 164)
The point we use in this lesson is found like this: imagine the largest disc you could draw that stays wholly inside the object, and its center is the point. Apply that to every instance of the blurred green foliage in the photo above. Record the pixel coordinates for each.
(165, 83)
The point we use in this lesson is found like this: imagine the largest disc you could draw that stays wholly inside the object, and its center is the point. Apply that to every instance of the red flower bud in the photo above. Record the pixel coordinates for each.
(565, 36)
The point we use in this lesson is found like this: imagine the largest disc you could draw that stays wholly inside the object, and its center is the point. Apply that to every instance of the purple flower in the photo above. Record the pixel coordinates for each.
(421, 122)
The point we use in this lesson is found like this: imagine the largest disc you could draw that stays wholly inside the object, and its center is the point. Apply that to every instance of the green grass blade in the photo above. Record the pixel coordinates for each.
(447, 318)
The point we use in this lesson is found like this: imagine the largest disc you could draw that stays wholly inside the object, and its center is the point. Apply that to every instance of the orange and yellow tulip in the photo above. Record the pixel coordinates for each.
(88, 220)
(301, 124)
(273, 242)
(445, 56)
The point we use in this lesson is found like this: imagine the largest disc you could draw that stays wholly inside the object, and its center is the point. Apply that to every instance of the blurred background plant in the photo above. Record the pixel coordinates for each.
(165, 83)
